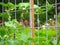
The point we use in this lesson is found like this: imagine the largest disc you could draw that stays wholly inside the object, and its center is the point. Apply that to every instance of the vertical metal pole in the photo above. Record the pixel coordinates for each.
(22, 1)
(38, 23)
(38, 27)
(9, 12)
(15, 18)
(32, 18)
(15, 9)
(2, 12)
(23, 16)
(2, 21)
(56, 22)
(46, 22)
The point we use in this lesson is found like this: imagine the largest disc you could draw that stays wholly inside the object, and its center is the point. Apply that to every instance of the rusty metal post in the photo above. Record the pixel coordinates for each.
(32, 18)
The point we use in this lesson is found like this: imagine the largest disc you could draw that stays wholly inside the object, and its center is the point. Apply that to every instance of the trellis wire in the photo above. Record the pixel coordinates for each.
(9, 11)
(2, 22)
(23, 15)
(2, 12)
(29, 24)
(38, 19)
(22, 19)
(38, 23)
(22, 1)
(46, 23)
(39, 7)
(56, 22)
(38, 28)
(15, 19)
(15, 9)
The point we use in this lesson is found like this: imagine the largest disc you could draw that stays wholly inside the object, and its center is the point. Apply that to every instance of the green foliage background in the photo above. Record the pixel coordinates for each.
(13, 28)
(23, 36)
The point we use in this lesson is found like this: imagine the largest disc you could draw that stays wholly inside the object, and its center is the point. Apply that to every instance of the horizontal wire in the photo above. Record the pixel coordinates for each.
(35, 8)
(42, 27)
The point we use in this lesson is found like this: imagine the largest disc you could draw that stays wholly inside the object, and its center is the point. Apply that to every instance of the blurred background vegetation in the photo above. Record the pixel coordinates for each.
(25, 16)
(15, 33)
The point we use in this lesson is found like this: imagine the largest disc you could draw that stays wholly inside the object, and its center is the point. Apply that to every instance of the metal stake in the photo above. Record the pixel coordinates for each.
(32, 18)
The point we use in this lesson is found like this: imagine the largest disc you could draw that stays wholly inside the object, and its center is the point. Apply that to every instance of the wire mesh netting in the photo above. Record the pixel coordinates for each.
(25, 23)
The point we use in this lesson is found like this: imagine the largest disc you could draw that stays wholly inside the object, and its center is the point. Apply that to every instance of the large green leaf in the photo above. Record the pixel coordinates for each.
(8, 5)
(25, 6)
(4, 15)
